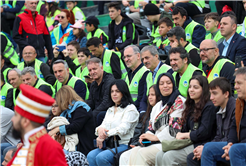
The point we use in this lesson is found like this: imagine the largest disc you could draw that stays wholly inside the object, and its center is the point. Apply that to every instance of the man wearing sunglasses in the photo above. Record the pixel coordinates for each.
(215, 65)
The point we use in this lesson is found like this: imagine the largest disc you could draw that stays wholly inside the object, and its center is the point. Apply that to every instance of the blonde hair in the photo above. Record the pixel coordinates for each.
(65, 96)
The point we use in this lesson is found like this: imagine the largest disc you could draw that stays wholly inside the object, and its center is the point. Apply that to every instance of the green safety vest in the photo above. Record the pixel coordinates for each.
(133, 86)
(42, 82)
(185, 78)
(242, 28)
(199, 3)
(190, 47)
(216, 38)
(189, 30)
(163, 69)
(4, 91)
(71, 83)
(76, 61)
(13, 5)
(5, 73)
(56, 33)
(159, 42)
(136, 3)
(40, 3)
(37, 65)
(106, 63)
(50, 20)
(97, 34)
(14, 99)
(82, 74)
(155, 33)
(9, 51)
(124, 33)
(77, 9)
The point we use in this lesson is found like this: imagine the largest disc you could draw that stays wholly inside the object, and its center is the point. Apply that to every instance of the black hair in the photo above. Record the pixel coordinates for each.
(94, 41)
(123, 88)
(230, 14)
(85, 50)
(95, 25)
(167, 21)
(222, 83)
(115, 5)
(178, 31)
(183, 53)
(52, 9)
(181, 10)
(215, 16)
(2, 77)
(81, 34)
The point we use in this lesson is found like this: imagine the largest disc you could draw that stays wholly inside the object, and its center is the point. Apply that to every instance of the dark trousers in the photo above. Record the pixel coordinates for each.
(191, 8)
(191, 162)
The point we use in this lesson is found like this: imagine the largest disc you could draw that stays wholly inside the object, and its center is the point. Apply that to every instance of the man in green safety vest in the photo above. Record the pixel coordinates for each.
(183, 69)
(112, 62)
(177, 38)
(195, 32)
(6, 93)
(42, 69)
(29, 77)
(214, 64)
(139, 78)
(151, 60)
(61, 71)
(14, 78)
(93, 31)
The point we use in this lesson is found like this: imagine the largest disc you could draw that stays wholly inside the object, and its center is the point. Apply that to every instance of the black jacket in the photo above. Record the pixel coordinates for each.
(115, 38)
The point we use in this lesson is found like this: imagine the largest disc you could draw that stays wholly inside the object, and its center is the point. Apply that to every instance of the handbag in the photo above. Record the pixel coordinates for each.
(113, 142)
(175, 144)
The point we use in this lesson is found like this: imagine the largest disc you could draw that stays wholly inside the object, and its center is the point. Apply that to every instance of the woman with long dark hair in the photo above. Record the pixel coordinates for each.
(79, 33)
(120, 119)
(198, 121)
(53, 11)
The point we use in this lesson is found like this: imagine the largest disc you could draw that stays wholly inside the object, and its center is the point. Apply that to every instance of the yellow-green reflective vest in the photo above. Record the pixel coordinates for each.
(241, 29)
(82, 74)
(106, 63)
(40, 3)
(56, 33)
(14, 99)
(42, 82)
(50, 20)
(133, 86)
(159, 42)
(97, 34)
(136, 3)
(9, 51)
(5, 74)
(216, 38)
(4, 91)
(77, 9)
(190, 47)
(155, 34)
(185, 78)
(199, 3)
(71, 83)
(37, 65)
(163, 69)
(189, 30)
(124, 33)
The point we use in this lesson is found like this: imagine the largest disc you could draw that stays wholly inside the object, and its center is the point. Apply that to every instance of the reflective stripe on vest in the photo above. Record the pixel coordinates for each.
(216, 38)
(50, 20)
(77, 9)
(97, 34)
(37, 65)
(189, 30)
(191, 47)
(4, 91)
(42, 82)
(185, 78)
(106, 63)
(9, 51)
(159, 42)
(163, 69)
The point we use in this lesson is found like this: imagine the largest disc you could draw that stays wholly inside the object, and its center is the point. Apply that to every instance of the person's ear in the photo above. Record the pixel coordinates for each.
(227, 94)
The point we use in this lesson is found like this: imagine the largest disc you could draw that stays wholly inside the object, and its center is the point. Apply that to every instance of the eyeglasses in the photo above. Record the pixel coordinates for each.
(61, 17)
(53, 106)
(204, 50)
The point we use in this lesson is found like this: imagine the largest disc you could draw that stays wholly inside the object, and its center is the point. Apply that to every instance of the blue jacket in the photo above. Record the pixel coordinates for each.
(61, 33)
(17, 9)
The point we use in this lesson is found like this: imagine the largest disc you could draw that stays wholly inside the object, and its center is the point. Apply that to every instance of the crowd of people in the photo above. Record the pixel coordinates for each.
(72, 94)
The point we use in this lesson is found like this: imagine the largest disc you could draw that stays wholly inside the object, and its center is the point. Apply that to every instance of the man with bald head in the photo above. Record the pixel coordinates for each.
(215, 65)
(42, 70)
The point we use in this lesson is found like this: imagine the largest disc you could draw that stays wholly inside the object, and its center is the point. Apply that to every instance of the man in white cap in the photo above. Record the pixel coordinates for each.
(32, 107)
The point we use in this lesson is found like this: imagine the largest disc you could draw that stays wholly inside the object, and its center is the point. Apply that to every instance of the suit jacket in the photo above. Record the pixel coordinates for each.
(237, 47)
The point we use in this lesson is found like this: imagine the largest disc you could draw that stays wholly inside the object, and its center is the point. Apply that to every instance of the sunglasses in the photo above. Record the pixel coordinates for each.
(61, 17)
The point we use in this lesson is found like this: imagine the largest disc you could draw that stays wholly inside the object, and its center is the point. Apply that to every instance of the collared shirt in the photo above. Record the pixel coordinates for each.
(222, 112)
(226, 44)
(155, 71)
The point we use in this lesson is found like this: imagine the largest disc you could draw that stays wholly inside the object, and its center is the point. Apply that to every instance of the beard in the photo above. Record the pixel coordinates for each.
(16, 133)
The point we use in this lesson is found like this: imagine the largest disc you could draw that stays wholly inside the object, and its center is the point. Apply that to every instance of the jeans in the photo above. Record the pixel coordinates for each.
(212, 153)
(99, 157)
(43, 59)
(4, 146)
(237, 154)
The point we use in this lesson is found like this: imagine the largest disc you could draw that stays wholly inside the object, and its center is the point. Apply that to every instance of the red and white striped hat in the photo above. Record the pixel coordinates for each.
(33, 104)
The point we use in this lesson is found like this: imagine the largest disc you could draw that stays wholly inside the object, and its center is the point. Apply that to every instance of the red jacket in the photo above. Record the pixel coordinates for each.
(27, 31)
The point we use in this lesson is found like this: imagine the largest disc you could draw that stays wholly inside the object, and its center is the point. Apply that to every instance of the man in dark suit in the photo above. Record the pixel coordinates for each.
(234, 45)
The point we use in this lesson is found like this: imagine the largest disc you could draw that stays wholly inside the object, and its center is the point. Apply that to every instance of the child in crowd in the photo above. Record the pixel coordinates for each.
(83, 56)
(78, 13)
(79, 33)
(211, 21)
(51, 16)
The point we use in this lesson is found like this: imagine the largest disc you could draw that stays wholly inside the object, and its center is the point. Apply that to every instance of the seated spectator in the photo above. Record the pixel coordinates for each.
(111, 60)
(8, 156)
(120, 120)
(61, 72)
(63, 34)
(198, 122)
(138, 78)
(214, 65)
(233, 45)
(211, 21)
(151, 60)
(177, 38)
(71, 52)
(80, 117)
(78, 13)
(121, 30)
(221, 97)
(4, 69)
(195, 33)
(162, 117)
(6, 93)
(79, 33)
(99, 97)
(29, 77)
(51, 16)
(183, 69)
(93, 31)
(42, 70)
(232, 149)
